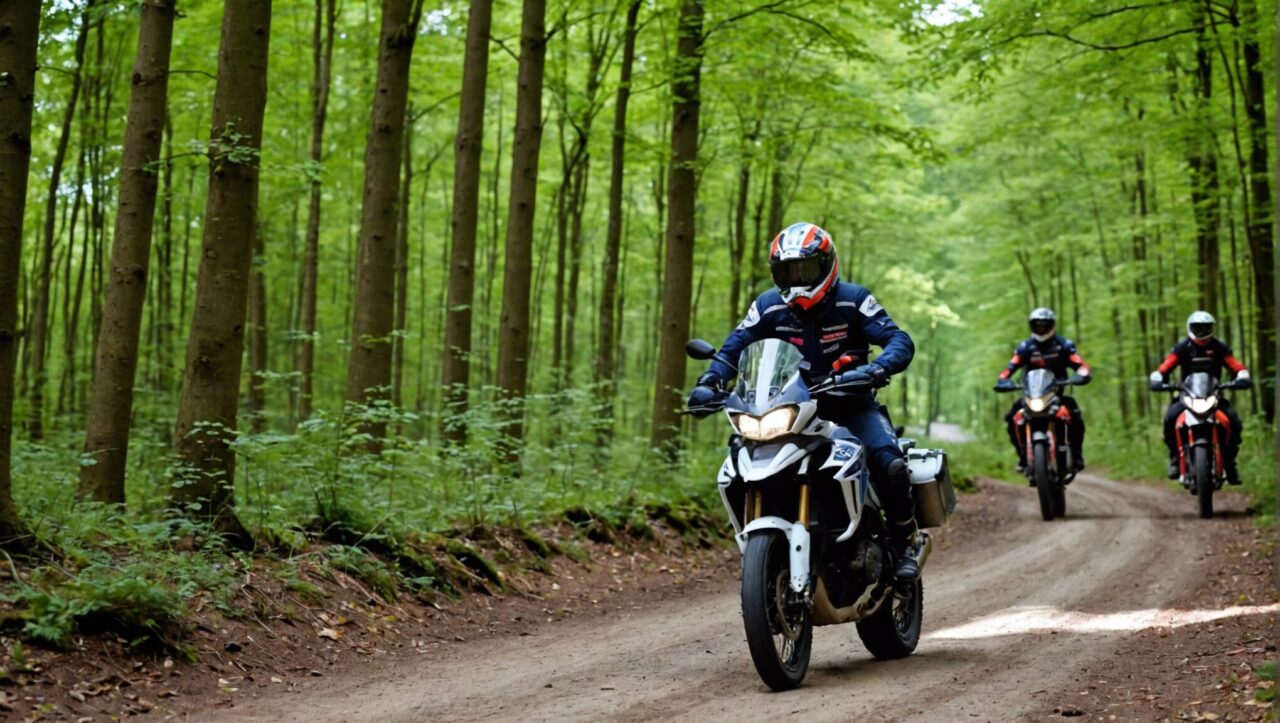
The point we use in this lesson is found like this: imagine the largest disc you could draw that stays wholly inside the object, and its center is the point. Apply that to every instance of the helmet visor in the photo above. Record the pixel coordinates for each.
(1041, 326)
(798, 272)
(1202, 330)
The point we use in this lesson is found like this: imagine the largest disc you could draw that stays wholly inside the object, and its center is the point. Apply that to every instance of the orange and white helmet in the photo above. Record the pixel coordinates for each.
(803, 263)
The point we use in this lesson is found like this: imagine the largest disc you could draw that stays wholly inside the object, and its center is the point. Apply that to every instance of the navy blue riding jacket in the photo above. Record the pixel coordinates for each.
(848, 321)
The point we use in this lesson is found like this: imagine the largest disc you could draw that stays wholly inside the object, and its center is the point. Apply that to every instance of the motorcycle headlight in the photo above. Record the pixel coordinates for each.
(774, 424)
(1203, 406)
(1038, 404)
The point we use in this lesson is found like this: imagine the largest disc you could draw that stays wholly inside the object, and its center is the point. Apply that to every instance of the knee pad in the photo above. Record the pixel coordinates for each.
(896, 473)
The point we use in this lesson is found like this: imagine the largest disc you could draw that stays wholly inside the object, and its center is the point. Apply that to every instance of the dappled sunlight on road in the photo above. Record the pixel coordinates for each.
(1045, 618)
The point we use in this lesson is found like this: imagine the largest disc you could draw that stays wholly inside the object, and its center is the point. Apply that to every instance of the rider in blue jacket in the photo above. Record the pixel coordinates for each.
(834, 324)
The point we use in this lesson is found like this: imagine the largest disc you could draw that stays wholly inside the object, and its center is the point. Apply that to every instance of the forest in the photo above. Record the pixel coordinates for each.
(283, 273)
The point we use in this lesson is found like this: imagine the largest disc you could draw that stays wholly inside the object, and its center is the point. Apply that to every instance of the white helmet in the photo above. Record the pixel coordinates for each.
(1042, 322)
(1200, 326)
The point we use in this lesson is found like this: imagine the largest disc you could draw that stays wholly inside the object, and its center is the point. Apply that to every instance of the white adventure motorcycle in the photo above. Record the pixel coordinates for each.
(813, 538)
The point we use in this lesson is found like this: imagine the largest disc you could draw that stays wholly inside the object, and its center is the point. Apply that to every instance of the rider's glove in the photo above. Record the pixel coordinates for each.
(1004, 383)
(867, 373)
(703, 400)
(1243, 380)
(1080, 379)
(846, 360)
(1156, 380)
(710, 379)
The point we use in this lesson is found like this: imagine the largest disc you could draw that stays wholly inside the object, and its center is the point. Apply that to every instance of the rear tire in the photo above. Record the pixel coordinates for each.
(1202, 463)
(893, 631)
(779, 632)
(1040, 475)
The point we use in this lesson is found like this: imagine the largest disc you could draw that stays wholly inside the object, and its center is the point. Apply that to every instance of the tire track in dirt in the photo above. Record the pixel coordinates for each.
(1009, 613)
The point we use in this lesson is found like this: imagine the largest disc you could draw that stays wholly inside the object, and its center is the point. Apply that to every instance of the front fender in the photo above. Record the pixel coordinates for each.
(798, 547)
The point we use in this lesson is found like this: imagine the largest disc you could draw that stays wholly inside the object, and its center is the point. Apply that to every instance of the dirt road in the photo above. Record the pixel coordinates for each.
(1013, 606)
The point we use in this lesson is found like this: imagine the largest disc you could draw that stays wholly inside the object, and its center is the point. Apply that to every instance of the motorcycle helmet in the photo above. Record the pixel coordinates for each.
(803, 263)
(1200, 327)
(1042, 322)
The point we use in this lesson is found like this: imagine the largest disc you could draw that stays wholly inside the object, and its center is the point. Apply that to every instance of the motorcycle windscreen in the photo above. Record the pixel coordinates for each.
(1038, 383)
(1199, 385)
(769, 373)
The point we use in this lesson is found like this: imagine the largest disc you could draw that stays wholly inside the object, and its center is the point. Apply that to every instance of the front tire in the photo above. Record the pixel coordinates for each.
(778, 626)
(1202, 463)
(1040, 475)
(893, 631)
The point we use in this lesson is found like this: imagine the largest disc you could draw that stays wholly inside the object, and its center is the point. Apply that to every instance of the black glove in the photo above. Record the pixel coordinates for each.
(1242, 383)
(710, 379)
(704, 400)
(873, 375)
(1080, 379)
(1005, 385)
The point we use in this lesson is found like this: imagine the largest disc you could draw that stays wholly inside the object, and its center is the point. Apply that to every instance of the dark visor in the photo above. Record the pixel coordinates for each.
(797, 272)
(1202, 331)
(1041, 326)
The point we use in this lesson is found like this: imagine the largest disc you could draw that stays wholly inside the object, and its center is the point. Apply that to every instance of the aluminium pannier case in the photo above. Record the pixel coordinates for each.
(931, 486)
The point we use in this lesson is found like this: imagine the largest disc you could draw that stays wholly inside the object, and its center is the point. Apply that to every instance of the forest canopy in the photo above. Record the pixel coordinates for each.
(280, 265)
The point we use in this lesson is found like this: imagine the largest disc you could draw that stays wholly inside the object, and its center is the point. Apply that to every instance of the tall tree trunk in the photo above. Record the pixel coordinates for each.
(258, 332)
(369, 372)
(106, 439)
(739, 246)
(677, 287)
(1261, 220)
(39, 327)
(606, 339)
(215, 347)
(322, 62)
(19, 35)
(513, 352)
(402, 264)
(1202, 158)
(456, 365)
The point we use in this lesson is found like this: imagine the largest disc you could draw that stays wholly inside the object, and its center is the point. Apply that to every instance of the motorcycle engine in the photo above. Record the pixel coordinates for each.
(852, 567)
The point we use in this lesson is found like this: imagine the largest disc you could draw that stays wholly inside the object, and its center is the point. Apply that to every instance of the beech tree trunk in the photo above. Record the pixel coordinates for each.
(513, 351)
(1262, 218)
(258, 333)
(369, 371)
(402, 264)
(469, 141)
(677, 278)
(215, 347)
(39, 327)
(322, 60)
(739, 246)
(111, 396)
(606, 338)
(19, 34)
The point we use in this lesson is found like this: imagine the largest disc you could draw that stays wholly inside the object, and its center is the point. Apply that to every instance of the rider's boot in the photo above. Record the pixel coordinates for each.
(1175, 469)
(904, 540)
(1078, 457)
(1233, 472)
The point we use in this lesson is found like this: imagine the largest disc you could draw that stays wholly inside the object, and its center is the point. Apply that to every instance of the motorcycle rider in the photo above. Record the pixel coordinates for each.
(1201, 351)
(1045, 349)
(833, 323)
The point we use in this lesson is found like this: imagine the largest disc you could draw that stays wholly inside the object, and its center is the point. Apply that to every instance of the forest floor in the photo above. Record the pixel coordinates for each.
(1131, 609)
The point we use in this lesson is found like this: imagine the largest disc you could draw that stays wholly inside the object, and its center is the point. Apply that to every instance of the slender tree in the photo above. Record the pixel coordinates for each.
(677, 288)
(40, 326)
(402, 263)
(19, 35)
(606, 345)
(513, 353)
(369, 371)
(215, 347)
(322, 73)
(111, 397)
(258, 332)
(456, 375)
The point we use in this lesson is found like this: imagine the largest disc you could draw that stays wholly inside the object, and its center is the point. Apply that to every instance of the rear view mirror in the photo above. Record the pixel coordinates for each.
(699, 349)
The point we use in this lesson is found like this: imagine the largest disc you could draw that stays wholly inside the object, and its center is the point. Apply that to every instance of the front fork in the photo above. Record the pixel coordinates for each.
(797, 533)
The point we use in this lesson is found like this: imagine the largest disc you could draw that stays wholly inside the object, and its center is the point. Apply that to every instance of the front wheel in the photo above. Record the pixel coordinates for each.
(1202, 463)
(779, 629)
(1040, 475)
(893, 631)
